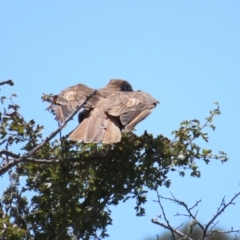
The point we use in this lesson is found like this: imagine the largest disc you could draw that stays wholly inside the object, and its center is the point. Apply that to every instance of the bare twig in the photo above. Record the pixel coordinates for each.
(223, 232)
(189, 209)
(9, 82)
(220, 210)
(165, 217)
(54, 161)
(27, 155)
(186, 207)
(155, 221)
(209, 228)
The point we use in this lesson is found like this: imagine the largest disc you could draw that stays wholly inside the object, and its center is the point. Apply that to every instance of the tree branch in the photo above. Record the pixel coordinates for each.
(27, 155)
(223, 232)
(52, 161)
(221, 209)
(165, 217)
(186, 207)
(8, 153)
(9, 82)
(189, 210)
(155, 221)
(205, 230)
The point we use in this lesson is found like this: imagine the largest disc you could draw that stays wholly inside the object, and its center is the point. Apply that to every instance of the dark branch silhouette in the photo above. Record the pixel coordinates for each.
(209, 228)
(9, 82)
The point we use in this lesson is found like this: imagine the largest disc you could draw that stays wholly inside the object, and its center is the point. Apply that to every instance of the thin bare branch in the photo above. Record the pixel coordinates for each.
(223, 232)
(9, 82)
(54, 161)
(221, 209)
(27, 155)
(164, 215)
(190, 214)
(155, 221)
(209, 228)
(189, 211)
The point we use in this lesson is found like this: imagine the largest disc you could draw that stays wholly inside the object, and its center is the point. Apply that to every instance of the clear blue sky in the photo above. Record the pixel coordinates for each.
(184, 53)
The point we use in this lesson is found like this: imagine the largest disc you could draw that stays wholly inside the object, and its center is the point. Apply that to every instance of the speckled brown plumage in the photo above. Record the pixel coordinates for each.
(68, 100)
(112, 109)
(120, 110)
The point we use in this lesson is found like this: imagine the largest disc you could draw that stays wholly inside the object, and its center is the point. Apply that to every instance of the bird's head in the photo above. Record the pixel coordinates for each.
(120, 85)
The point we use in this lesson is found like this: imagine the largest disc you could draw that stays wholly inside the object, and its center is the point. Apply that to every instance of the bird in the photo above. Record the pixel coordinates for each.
(67, 100)
(110, 115)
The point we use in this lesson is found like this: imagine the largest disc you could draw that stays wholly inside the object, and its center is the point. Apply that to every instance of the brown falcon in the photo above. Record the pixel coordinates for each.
(120, 110)
(68, 100)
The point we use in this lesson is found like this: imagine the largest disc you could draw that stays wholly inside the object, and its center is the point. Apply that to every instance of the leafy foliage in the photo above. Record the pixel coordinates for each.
(74, 184)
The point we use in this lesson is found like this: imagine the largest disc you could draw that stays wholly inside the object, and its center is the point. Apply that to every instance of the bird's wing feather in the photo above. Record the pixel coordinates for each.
(79, 132)
(68, 100)
(137, 119)
(131, 107)
(113, 132)
(92, 128)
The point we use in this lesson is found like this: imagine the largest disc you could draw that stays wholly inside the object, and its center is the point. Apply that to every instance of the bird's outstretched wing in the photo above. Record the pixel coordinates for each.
(120, 110)
(130, 107)
(68, 100)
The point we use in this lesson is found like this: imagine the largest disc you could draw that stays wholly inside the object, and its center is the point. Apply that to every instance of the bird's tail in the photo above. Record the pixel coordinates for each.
(96, 128)
(113, 132)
